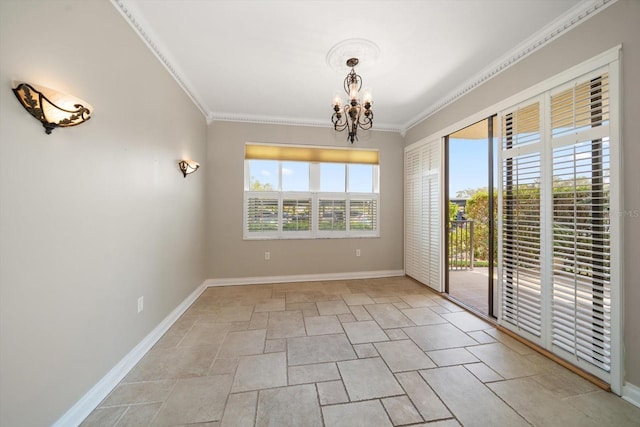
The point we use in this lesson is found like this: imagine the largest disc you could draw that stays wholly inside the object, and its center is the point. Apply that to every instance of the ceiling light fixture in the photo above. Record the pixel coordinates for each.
(188, 166)
(356, 113)
(52, 108)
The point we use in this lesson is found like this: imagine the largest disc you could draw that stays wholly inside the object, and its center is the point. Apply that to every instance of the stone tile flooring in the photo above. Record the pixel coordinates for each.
(376, 352)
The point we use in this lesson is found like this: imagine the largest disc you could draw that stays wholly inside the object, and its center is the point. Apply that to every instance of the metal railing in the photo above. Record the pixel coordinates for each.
(461, 245)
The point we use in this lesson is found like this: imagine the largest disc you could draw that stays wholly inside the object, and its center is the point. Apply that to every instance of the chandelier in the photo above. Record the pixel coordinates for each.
(356, 113)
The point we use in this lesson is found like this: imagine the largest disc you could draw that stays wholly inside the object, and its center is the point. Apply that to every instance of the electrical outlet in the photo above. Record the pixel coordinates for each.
(140, 304)
(357, 252)
(267, 256)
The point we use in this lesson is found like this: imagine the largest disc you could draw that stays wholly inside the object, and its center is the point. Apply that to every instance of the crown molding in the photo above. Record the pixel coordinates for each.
(573, 17)
(143, 29)
(288, 121)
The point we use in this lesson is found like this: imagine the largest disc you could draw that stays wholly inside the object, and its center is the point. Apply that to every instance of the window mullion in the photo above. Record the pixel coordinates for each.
(315, 211)
(346, 177)
(546, 219)
(280, 232)
(347, 214)
(314, 177)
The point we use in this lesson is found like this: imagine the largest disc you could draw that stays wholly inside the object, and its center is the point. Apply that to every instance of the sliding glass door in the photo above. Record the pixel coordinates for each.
(471, 216)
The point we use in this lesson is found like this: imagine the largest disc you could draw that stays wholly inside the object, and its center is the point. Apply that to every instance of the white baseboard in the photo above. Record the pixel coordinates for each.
(235, 281)
(631, 393)
(83, 407)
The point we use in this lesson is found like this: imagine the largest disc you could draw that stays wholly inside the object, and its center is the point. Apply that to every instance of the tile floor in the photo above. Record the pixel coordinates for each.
(377, 352)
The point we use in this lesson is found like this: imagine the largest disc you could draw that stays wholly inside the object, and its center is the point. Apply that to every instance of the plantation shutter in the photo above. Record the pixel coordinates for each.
(560, 244)
(296, 214)
(581, 305)
(521, 174)
(262, 213)
(431, 212)
(422, 214)
(332, 215)
(363, 214)
(412, 205)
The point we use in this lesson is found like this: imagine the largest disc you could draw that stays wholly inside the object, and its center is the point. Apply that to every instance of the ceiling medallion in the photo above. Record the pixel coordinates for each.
(365, 50)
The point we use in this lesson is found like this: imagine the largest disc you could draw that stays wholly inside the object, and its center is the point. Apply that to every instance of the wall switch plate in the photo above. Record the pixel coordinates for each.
(267, 256)
(357, 252)
(140, 304)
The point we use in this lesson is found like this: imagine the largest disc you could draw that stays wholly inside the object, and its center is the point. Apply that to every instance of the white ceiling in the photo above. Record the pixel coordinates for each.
(266, 60)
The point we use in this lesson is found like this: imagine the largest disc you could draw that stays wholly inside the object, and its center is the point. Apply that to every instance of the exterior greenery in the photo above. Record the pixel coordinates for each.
(574, 222)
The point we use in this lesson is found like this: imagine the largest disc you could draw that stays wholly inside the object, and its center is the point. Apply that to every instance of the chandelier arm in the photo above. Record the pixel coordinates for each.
(367, 121)
(340, 126)
(339, 120)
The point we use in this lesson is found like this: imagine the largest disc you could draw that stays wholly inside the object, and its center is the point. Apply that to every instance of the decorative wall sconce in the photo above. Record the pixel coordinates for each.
(188, 166)
(52, 108)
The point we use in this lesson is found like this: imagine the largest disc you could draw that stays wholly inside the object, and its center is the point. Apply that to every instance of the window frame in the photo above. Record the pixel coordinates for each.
(315, 196)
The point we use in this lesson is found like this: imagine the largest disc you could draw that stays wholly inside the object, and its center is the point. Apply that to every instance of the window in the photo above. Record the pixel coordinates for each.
(307, 192)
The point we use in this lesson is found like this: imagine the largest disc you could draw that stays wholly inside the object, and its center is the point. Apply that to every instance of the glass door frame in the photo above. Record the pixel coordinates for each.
(493, 225)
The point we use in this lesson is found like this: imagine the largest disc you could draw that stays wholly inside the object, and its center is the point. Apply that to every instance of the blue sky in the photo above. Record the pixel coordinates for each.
(468, 166)
(295, 176)
(467, 169)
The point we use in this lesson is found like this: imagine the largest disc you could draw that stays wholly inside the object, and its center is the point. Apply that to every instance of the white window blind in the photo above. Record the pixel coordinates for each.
(296, 215)
(431, 214)
(262, 213)
(521, 270)
(557, 189)
(423, 206)
(363, 214)
(412, 216)
(332, 215)
(581, 307)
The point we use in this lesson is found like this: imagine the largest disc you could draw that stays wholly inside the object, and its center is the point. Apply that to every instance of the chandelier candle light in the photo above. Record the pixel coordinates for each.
(356, 113)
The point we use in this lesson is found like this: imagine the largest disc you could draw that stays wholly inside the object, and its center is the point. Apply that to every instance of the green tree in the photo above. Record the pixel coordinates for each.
(477, 209)
(453, 211)
(256, 185)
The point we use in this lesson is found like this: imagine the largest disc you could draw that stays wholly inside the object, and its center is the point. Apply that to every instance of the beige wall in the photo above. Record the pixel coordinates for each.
(618, 24)
(229, 256)
(91, 217)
